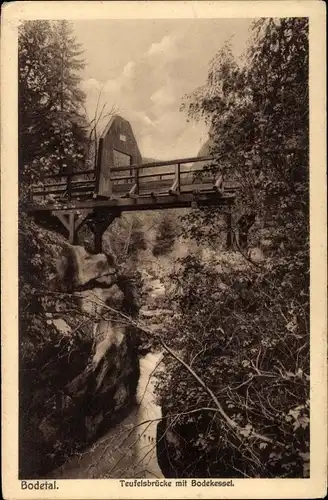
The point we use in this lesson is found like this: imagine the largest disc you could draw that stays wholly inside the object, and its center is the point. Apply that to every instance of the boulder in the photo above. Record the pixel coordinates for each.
(94, 300)
(79, 367)
(256, 255)
(76, 268)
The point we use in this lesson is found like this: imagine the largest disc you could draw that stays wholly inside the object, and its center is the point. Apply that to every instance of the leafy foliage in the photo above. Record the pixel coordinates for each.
(258, 116)
(245, 331)
(165, 237)
(51, 117)
(137, 240)
(248, 340)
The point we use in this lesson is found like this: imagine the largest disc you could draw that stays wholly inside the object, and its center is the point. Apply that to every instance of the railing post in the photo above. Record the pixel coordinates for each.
(69, 181)
(229, 228)
(98, 240)
(71, 231)
(136, 179)
(177, 176)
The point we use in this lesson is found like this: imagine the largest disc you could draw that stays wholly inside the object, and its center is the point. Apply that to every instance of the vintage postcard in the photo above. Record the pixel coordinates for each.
(164, 235)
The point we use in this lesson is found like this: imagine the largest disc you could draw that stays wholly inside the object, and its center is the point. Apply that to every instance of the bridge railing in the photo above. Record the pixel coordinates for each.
(170, 175)
(65, 186)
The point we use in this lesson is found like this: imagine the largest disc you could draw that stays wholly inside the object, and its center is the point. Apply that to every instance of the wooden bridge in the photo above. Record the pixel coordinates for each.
(121, 182)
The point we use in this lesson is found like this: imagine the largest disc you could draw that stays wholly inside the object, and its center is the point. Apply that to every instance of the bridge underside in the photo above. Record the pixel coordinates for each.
(68, 217)
(68, 205)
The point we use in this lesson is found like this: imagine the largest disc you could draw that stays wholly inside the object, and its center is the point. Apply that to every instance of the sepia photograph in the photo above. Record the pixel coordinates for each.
(163, 169)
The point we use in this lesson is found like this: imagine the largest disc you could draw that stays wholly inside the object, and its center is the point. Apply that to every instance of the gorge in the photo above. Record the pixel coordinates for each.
(86, 380)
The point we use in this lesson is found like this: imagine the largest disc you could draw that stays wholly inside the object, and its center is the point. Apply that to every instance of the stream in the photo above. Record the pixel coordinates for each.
(129, 448)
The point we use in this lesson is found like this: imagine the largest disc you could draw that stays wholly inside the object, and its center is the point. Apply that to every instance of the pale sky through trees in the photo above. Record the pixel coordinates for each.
(146, 68)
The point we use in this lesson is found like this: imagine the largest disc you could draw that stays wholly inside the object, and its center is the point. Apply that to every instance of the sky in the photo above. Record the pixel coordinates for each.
(145, 67)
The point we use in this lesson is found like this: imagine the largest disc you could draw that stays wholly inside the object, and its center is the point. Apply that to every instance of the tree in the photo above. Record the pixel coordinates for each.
(136, 239)
(245, 330)
(67, 95)
(165, 237)
(52, 124)
(35, 49)
(258, 118)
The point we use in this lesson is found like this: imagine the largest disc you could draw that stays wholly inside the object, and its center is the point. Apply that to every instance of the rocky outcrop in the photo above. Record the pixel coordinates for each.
(128, 449)
(79, 364)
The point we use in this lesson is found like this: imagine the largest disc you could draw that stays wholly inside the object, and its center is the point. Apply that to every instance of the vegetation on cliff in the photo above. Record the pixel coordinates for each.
(245, 331)
(79, 365)
(235, 392)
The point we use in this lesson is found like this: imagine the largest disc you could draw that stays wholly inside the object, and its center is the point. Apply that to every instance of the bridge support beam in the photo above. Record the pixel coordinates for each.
(98, 241)
(98, 225)
(72, 221)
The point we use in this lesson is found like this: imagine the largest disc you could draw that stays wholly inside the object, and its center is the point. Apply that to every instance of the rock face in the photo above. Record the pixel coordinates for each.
(128, 449)
(79, 366)
(171, 451)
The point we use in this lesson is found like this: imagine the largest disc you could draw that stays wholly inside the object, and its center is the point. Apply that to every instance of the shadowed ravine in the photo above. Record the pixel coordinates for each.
(128, 449)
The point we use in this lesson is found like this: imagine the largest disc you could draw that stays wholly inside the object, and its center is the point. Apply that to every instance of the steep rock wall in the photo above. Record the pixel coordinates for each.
(79, 366)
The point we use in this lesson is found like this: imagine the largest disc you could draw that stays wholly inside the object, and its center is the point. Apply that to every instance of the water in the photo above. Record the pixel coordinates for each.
(128, 449)
(148, 416)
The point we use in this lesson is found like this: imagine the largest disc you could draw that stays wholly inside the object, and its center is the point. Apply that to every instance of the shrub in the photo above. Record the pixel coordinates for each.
(165, 237)
(246, 334)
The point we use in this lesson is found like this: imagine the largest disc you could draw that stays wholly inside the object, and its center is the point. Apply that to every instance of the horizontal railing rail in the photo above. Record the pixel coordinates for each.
(133, 167)
(137, 178)
(165, 163)
(156, 174)
(59, 184)
(69, 174)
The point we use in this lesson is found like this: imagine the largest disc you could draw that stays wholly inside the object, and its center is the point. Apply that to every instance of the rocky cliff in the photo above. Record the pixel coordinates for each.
(79, 364)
